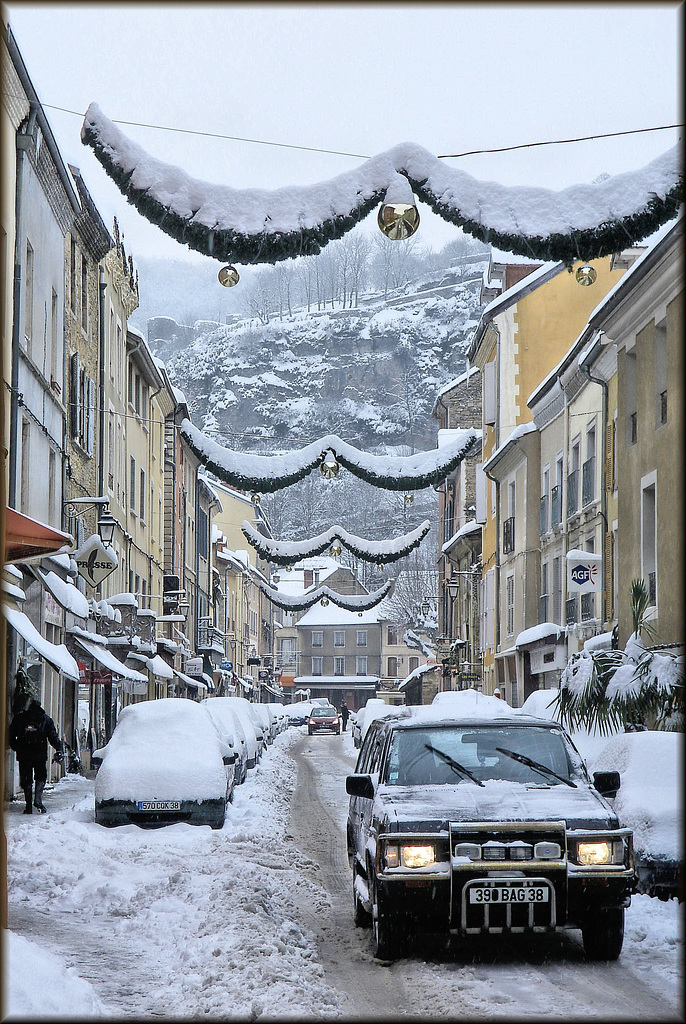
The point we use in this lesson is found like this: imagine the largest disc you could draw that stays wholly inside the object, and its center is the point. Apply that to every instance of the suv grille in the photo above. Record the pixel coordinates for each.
(491, 859)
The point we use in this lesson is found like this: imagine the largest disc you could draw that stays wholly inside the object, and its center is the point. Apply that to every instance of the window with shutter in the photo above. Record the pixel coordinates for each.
(610, 429)
(489, 393)
(480, 486)
(90, 416)
(609, 575)
(74, 395)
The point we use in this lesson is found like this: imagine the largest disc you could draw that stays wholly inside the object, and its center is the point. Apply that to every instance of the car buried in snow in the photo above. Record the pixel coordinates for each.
(164, 763)
(471, 819)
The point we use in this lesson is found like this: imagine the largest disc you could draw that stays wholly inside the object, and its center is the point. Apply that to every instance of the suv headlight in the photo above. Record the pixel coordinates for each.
(417, 856)
(408, 855)
(599, 852)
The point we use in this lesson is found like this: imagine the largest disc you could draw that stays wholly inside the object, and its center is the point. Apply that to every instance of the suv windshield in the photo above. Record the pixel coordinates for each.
(476, 754)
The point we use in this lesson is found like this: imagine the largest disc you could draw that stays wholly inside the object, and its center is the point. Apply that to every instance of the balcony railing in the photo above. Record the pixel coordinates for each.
(652, 587)
(573, 492)
(210, 639)
(555, 506)
(508, 535)
(570, 611)
(588, 481)
(544, 514)
(587, 607)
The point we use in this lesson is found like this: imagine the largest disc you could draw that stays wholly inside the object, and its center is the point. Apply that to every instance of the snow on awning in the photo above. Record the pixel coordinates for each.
(56, 655)
(543, 631)
(159, 667)
(197, 684)
(112, 664)
(66, 594)
(417, 673)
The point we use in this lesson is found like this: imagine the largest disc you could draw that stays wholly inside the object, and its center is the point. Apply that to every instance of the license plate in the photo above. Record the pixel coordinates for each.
(159, 805)
(509, 894)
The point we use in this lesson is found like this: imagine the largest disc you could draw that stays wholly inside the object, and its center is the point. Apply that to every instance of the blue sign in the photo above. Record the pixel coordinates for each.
(226, 666)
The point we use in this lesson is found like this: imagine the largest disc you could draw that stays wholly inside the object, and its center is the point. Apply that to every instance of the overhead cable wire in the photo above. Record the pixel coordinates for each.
(363, 156)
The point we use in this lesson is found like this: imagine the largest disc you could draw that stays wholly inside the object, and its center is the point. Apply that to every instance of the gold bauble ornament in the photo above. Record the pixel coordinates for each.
(256, 498)
(398, 220)
(586, 275)
(329, 467)
(324, 601)
(335, 550)
(228, 276)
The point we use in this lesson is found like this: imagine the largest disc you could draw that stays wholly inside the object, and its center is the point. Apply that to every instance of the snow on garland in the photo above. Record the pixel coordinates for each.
(252, 225)
(290, 552)
(268, 473)
(351, 602)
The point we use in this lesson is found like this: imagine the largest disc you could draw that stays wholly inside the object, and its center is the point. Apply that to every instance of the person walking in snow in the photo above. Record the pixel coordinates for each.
(30, 732)
(345, 715)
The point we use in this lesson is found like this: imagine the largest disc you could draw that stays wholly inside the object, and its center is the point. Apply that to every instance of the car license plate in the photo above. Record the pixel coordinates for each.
(159, 805)
(509, 894)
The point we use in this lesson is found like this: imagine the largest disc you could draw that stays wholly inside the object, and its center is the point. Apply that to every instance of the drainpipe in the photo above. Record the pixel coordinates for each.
(583, 366)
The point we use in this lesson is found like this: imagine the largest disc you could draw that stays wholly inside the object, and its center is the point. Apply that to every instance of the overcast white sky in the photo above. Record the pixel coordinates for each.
(356, 79)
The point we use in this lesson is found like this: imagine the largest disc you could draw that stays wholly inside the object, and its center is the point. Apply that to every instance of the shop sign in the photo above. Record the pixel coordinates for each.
(94, 561)
(584, 574)
(193, 667)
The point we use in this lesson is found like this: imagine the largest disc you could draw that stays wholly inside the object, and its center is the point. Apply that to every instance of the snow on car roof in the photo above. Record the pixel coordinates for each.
(162, 750)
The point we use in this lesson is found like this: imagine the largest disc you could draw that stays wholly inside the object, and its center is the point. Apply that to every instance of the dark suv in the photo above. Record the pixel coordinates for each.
(484, 821)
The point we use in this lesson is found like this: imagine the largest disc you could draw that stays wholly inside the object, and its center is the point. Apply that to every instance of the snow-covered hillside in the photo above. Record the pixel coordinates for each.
(369, 374)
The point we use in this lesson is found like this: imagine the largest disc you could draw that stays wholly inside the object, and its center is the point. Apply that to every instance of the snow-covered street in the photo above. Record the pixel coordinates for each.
(254, 920)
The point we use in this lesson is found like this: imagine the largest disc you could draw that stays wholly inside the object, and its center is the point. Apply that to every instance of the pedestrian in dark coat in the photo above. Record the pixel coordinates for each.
(345, 715)
(30, 732)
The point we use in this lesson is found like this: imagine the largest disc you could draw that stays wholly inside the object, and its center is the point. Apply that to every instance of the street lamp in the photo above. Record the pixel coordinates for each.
(106, 523)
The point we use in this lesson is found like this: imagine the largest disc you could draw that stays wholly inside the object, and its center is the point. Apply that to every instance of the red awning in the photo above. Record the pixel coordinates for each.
(26, 538)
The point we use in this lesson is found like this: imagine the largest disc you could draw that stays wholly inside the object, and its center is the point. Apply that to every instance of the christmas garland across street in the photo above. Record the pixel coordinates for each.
(253, 225)
(268, 473)
(351, 602)
(290, 552)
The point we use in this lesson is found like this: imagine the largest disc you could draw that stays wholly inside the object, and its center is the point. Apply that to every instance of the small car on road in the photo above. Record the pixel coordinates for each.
(477, 820)
(165, 762)
(322, 718)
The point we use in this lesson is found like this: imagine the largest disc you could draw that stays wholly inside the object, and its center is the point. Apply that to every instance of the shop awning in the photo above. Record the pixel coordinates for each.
(112, 664)
(191, 681)
(27, 538)
(56, 655)
(159, 667)
(66, 594)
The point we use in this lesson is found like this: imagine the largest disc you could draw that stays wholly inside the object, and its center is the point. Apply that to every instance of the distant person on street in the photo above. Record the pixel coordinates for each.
(497, 693)
(29, 734)
(345, 715)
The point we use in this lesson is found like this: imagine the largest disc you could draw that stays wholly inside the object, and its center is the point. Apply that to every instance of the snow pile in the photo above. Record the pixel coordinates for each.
(37, 984)
(650, 798)
(190, 922)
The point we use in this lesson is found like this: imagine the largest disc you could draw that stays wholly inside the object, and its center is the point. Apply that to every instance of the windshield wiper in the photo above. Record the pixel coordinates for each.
(455, 765)
(535, 766)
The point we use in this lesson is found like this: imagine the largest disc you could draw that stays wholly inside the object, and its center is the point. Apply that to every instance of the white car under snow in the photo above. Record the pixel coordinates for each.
(165, 762)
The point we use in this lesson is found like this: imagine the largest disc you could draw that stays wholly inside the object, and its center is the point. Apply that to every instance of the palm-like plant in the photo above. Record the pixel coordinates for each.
(610, 690)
